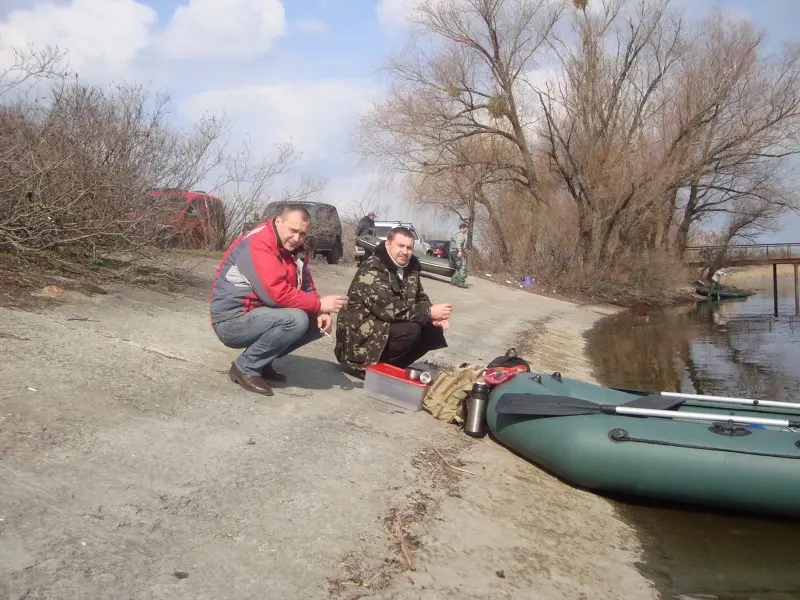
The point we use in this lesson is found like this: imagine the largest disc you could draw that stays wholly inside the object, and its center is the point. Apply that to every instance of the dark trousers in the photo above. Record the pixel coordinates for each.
(408, 342)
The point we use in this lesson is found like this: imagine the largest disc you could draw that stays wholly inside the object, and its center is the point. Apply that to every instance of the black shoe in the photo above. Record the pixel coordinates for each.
(270, 374)
(357, 373)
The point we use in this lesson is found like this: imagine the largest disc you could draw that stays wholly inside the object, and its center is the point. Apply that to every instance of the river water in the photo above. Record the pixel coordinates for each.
(729, 348)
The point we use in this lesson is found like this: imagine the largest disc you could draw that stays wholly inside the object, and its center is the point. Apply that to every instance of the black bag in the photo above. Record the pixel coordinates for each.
(509, 359)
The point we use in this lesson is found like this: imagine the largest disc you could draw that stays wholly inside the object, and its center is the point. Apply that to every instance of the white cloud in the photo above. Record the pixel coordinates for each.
(224, 28)
(310, 26)
(100, 36)
(352, 194)
(393, 14)
(316, 116)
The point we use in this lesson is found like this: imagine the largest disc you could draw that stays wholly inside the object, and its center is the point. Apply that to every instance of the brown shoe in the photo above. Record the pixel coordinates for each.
(252, 383)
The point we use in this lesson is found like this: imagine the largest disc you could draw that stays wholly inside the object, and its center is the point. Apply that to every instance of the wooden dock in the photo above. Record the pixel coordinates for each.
(745, 255)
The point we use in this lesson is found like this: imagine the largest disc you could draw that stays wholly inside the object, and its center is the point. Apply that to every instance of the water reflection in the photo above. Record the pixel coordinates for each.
(731, 348)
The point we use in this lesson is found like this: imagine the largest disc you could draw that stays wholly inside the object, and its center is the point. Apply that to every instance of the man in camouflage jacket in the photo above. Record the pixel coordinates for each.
(389, 317)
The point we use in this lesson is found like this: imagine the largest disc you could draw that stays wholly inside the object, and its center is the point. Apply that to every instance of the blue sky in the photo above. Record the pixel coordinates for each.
(279, 69)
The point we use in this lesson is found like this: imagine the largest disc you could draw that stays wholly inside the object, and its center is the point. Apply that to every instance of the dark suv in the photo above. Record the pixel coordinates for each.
(325, 236)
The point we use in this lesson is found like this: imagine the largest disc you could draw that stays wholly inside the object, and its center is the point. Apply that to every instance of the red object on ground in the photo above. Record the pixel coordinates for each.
(498, 375)
(393, 372)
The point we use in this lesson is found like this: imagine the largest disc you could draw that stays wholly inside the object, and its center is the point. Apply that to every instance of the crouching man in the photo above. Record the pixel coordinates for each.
(389, 317)
(264, 300)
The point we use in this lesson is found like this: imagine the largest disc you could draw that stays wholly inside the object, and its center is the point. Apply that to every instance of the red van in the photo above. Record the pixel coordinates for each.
(197, 218)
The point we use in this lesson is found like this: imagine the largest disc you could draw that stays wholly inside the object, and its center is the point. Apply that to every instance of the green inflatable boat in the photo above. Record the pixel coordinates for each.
(728, 453)
(718, 292)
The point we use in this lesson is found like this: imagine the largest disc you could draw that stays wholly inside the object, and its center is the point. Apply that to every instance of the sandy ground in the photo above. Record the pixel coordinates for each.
(132, 467)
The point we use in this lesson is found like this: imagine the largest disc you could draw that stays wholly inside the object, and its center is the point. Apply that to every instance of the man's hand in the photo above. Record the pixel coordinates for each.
(444, 324)
(324, 322)
(441, 312)
(332, 304)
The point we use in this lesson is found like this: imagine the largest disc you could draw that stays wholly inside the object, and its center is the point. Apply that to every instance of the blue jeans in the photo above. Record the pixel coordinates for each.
(266, 334)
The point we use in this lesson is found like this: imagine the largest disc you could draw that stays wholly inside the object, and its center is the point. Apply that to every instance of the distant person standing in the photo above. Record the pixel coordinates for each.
(366, 225)
(458, 248)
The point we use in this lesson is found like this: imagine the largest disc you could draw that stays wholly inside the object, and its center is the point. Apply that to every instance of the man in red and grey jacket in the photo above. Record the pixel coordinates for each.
(264, 300)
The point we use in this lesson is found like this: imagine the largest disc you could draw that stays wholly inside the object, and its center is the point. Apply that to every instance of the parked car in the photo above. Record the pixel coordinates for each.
(382, 229)
(440, 248)
(190, 218)
(429, 263)
(326, 230)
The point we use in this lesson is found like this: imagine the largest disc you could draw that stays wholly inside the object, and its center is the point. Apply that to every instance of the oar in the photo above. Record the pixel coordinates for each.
(725, 399)
(544, 405)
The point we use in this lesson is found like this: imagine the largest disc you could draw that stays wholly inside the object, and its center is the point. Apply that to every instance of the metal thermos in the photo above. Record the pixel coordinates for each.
(474, 425)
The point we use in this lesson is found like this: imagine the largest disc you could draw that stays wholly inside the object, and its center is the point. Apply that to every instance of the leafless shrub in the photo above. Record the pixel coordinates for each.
(92, 172)
(77, 163)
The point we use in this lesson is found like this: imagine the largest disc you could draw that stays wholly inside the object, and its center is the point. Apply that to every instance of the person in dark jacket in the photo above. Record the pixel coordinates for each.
(389, 317)
(264, 300)
(366, 225)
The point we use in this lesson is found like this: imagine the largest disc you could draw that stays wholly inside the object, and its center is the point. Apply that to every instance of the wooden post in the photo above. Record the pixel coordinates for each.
(796, 292)
(775, 287)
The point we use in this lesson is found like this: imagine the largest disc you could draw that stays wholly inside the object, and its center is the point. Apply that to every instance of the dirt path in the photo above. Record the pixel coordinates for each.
(133, 468)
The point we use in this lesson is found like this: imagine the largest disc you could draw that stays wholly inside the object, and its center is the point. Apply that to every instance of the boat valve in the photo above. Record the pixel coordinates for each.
(729, 428)
(618, 435)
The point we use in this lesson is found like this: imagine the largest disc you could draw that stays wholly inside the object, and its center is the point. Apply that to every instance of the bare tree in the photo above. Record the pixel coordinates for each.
(667, 113)
(747, 217)
(602, 112)
(25, 71)
(248, 183)
(648, 127)
(752, 119)
(467, 87)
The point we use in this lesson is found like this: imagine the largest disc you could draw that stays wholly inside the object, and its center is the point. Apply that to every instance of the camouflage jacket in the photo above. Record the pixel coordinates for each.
(377, 298)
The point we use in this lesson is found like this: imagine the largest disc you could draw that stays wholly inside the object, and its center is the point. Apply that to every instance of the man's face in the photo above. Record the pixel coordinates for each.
(292, 230)
(371, 216)
(400, 249)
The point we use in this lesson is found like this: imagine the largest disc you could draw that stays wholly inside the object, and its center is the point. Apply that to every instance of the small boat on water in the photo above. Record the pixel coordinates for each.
(704, 450)
(430, 264)
(721, 292)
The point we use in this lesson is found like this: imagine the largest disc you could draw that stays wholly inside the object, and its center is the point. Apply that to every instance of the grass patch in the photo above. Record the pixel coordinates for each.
(215, 254)
(23, 277)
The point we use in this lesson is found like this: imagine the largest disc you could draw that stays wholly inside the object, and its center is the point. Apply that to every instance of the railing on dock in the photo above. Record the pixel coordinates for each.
(741, 255)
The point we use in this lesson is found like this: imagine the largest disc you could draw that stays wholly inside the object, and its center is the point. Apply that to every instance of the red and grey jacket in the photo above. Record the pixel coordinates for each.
(257, 271)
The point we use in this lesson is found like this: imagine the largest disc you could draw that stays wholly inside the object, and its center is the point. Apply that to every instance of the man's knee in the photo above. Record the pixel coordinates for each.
(405, 331)
(295, 320)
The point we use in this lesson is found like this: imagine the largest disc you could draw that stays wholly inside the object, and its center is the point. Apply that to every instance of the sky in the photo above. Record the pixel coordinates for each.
(279, 70)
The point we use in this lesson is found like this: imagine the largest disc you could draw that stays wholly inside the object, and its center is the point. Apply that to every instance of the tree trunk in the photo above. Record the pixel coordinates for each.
(519, 133)
(471, 222)
(682, 235)
(497, 227)
(604, 252)
(585, 235)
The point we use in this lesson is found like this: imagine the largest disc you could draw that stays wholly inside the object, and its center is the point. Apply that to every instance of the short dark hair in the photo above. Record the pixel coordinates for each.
(404, 231)
(463, 226)
(290, 208)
